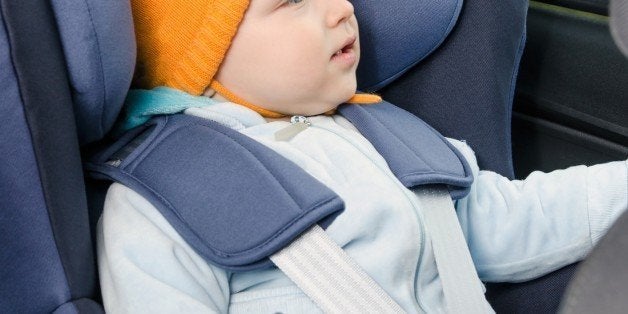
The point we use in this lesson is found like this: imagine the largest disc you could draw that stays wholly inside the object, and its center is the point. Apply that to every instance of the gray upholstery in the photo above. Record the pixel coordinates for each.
(599, 285)
(619, 23)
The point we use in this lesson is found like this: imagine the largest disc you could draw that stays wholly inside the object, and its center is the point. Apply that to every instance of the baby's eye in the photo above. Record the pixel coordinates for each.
(294, 4)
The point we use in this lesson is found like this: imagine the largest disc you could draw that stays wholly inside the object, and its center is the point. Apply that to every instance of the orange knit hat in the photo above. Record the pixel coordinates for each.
(181, 44)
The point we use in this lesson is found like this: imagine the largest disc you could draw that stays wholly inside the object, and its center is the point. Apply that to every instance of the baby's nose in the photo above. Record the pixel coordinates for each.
(338, 11)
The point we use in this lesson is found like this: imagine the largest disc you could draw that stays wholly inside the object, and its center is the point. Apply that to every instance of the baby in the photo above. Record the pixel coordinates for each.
(252, 65)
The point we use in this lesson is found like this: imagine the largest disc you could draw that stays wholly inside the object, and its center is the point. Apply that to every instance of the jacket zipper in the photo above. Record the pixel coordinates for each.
(295, 120)
(297, 125)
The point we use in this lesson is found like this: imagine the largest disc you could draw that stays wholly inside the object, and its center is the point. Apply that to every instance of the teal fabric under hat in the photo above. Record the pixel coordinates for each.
(141, 104)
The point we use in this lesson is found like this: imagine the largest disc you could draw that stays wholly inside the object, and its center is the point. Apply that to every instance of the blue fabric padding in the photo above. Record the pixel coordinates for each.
(465, 91)
(99, 46)
(235, 201)
(33, 279)
(397, 34)
(80, 306)
(40, 70)
(541, 295)
(415, 152)
(232, 199)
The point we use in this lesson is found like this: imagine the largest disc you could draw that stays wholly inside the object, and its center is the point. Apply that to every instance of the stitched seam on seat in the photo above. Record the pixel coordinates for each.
(101, 68)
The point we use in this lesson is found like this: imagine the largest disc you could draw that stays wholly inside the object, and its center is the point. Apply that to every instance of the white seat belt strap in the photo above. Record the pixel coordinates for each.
(326, 274)
(461, 285)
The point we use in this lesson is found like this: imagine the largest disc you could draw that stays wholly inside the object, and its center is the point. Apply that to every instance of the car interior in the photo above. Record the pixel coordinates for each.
(569, 106)
(530, 85)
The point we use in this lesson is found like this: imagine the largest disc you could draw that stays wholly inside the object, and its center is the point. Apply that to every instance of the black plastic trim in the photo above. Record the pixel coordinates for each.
(591, 6)
(539, 144)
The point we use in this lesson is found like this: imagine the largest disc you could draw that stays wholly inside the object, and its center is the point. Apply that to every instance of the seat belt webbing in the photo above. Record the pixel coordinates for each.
(323, 271)
(461, 284)
(326, 274)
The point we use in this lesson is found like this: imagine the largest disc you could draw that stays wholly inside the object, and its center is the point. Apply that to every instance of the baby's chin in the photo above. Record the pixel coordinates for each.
(312, 109)
(312, 106)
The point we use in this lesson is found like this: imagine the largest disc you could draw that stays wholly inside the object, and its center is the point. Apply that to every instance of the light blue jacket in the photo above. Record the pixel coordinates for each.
(516, 230)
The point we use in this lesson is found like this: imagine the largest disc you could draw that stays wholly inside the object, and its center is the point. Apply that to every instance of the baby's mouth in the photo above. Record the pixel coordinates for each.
(347, 48)
(344, 49)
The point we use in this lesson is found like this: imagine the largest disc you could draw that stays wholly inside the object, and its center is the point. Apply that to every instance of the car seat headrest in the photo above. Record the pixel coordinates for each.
(99, 47)
(396, 34)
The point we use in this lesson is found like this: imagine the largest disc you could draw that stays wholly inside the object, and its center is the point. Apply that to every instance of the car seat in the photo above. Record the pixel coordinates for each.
(68, 59)
(47, 255)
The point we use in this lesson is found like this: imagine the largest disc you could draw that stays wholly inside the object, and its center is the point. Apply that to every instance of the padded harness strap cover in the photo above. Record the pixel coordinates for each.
(416, 153)
(232, 199)
(236, 202)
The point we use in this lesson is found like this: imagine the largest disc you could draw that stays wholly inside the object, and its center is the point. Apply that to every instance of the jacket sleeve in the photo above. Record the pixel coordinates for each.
(146, 267)
(523, 229)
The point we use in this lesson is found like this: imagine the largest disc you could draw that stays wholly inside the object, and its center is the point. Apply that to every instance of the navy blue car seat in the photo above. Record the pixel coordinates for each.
(66, 66)
(465, 90)
(47, 255)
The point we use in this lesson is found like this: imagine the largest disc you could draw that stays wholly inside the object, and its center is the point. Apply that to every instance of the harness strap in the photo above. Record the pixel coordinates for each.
(337, 284)
(332, 280)
(461, 284)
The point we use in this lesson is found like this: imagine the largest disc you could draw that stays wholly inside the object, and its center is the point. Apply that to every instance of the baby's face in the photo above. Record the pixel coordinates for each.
(296, 57)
